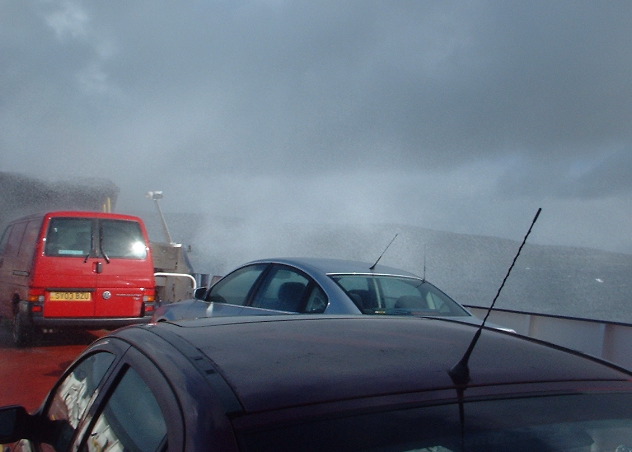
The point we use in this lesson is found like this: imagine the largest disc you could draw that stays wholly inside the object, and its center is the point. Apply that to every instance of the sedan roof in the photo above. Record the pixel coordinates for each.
(280, 362)
(337, 266)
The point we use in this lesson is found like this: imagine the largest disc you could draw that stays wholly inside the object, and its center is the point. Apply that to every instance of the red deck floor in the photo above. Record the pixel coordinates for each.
(27, 374)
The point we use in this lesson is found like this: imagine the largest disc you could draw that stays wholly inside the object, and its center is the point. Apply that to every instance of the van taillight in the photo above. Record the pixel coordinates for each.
(36, 296)
(148, 299)
(149, 296)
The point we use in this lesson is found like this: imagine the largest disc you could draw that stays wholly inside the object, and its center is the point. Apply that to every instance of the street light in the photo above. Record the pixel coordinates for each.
(156, 195)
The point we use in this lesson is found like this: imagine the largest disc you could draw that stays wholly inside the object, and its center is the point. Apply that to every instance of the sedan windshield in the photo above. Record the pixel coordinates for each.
(397, 295)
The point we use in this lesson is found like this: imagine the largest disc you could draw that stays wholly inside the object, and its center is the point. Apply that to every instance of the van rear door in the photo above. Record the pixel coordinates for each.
(70, 267)
(126, 273)
(102, 268)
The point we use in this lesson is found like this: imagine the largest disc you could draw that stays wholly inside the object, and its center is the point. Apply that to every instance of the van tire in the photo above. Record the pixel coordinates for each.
(22, 331)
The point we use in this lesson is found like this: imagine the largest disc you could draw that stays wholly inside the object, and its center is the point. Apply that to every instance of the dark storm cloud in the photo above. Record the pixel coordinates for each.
(606, 174)
(374, 85)
(461, 107)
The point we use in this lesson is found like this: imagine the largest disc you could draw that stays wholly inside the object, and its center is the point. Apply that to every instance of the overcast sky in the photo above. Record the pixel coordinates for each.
(463, 116)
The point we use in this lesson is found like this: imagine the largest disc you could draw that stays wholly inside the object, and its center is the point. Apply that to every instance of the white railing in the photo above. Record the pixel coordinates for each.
(611, 341)
(179, 275)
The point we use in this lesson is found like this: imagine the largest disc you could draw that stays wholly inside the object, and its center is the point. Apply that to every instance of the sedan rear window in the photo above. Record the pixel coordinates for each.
(386, 294)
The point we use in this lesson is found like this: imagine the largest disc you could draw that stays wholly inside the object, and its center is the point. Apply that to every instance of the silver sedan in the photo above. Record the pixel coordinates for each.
(316, 286)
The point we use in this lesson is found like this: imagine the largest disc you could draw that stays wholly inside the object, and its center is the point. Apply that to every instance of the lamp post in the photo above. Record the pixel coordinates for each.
(156, 195)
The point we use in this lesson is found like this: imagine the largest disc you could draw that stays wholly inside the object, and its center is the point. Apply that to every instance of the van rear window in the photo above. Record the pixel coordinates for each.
(69, 237)
(82, 237)
(122, 239)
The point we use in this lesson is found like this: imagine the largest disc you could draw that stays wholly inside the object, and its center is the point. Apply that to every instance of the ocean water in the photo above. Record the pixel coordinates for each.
(577, 282)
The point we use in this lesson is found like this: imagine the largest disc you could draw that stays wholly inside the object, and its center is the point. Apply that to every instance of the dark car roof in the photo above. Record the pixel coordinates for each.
(337, 266)
(279, 362)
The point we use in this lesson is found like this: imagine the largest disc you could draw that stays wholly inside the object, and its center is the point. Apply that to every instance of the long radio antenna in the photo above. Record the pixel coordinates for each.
(424, 278)
(387, 247)
(460, 373)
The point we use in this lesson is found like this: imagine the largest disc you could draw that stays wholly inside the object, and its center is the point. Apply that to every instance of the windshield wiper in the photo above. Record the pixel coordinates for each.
(105, 255)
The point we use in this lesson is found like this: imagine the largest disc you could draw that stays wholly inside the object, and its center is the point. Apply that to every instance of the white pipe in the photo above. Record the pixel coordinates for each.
(185, 275)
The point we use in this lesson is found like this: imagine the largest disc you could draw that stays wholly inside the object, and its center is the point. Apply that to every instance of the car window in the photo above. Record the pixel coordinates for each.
(29, 240)
(393, 289)
(317, 301)
(361, 289)
(581, 422)
(441, 303)
(12, 238)
(5, 239)
(235, 287)
(283, 290)
(131, 419)
(384, 294)
(417, 295)
(74, 394)
(70, 237)
(122, 239)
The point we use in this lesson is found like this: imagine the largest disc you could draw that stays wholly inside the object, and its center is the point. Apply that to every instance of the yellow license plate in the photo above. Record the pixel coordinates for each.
(71, 296)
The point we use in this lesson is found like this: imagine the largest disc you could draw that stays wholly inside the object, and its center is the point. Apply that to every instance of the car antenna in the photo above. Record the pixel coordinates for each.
(424, 277)
(387, 247)
(460, 372)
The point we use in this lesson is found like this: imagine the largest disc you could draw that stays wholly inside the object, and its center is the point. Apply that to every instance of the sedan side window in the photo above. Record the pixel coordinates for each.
(131, 419)
(236, 287)
(284, 290)
(74, 394)
(317, 301)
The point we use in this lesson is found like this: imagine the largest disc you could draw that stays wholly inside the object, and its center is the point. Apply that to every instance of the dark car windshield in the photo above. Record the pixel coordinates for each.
(582, 422)
(387, 294)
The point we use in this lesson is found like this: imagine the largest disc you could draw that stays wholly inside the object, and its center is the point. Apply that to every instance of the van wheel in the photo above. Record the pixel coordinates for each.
(22, 331)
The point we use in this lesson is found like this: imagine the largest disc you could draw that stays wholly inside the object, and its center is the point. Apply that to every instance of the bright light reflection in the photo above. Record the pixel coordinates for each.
(138, 249)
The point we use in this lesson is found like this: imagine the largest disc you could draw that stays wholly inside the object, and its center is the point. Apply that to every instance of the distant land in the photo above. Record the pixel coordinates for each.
(559, 280)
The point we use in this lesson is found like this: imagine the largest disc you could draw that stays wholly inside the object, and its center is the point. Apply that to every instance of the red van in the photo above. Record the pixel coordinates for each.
(64, 269)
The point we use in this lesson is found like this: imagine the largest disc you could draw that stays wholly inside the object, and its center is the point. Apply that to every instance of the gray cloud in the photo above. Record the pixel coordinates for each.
(464, 116)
